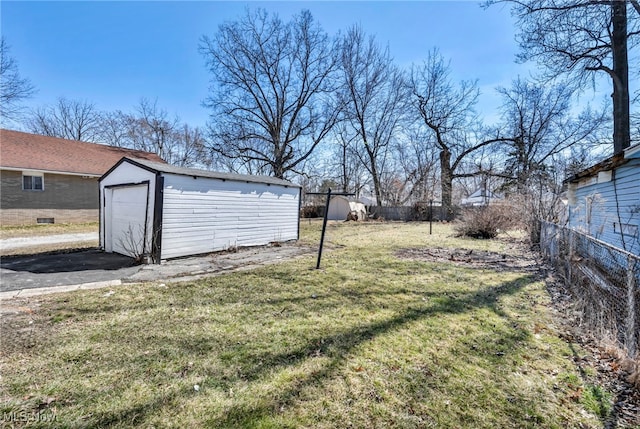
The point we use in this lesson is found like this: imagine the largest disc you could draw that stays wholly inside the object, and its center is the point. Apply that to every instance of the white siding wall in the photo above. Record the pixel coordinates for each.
(126, 173)
(201, 215)
(597, 207)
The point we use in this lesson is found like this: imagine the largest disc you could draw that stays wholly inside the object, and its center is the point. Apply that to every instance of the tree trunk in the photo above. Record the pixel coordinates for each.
(621, 123)
(345, 180)
(376, 179)
(278, 170)
(278, 160)
(446, 183)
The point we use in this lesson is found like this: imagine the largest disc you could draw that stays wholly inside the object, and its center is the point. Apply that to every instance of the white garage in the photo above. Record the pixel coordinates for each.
(158, 211)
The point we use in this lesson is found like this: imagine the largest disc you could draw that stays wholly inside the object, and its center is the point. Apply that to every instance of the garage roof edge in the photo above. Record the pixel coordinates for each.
(157, 167)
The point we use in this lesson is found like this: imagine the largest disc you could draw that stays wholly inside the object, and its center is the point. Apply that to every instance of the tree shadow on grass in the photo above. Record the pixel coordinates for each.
(336, 348)
(187, 295)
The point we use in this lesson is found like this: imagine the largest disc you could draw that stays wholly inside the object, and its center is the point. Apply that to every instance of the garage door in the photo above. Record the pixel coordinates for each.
(126, 224)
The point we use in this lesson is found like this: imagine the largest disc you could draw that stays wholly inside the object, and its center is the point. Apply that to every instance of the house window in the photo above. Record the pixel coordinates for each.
(32, 182)
(626, 229)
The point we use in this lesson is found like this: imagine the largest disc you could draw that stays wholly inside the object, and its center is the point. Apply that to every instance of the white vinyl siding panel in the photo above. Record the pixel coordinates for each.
(599, 206)
(202, 215)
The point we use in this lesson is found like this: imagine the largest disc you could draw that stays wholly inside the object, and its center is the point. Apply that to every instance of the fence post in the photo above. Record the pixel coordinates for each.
(631, 307)
(430, 216)
(570, 260)
(542, 239)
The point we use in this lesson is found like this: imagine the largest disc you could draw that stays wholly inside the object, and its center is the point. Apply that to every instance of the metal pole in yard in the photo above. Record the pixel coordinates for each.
(324, 227)
(326, 216)
(430, 216)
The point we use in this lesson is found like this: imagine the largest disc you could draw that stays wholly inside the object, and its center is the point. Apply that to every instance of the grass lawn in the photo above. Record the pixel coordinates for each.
(372, 340)
(46, 229)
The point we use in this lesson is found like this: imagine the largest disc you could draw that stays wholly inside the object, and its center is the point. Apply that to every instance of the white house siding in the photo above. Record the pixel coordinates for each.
(598, 204)
(202, 215)
(123, 174)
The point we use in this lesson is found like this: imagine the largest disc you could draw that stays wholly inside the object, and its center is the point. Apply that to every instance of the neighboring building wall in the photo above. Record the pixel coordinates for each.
(65, 198)
(607, 206)
(17, 217)
(202, 215)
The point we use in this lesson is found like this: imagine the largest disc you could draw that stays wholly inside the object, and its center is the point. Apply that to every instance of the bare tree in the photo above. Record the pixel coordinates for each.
(416, 168)
(539, 119)
(13, 88)
(447, 110)
(190, 149)
(68, 119)
(374, 100)
(151, 129)
(272, 90)
(579, 38)
(344, 162)
(113, 129)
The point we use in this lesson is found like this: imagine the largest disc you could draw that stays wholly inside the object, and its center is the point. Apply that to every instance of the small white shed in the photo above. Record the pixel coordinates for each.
(162, 211)
(340, 207)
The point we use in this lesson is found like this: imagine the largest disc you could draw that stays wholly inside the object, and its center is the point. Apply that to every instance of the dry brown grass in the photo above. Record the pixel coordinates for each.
(46, 229)
(28, 231)
(369, 341)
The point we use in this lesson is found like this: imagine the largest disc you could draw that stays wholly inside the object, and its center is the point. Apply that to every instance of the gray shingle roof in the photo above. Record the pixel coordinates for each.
(172, 169)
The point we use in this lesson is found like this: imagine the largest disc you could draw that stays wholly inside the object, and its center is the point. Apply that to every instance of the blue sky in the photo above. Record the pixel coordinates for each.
(114, 53)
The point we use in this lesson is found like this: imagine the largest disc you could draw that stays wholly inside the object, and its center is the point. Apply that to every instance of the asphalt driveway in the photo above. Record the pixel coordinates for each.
(58, 269)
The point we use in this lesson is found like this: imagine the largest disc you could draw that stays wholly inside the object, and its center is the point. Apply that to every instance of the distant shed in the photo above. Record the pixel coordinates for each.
(163, 211)
(340, 207)
(480, 198)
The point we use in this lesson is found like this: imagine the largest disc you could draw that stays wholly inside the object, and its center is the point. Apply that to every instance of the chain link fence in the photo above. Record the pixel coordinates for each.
(604, 283)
